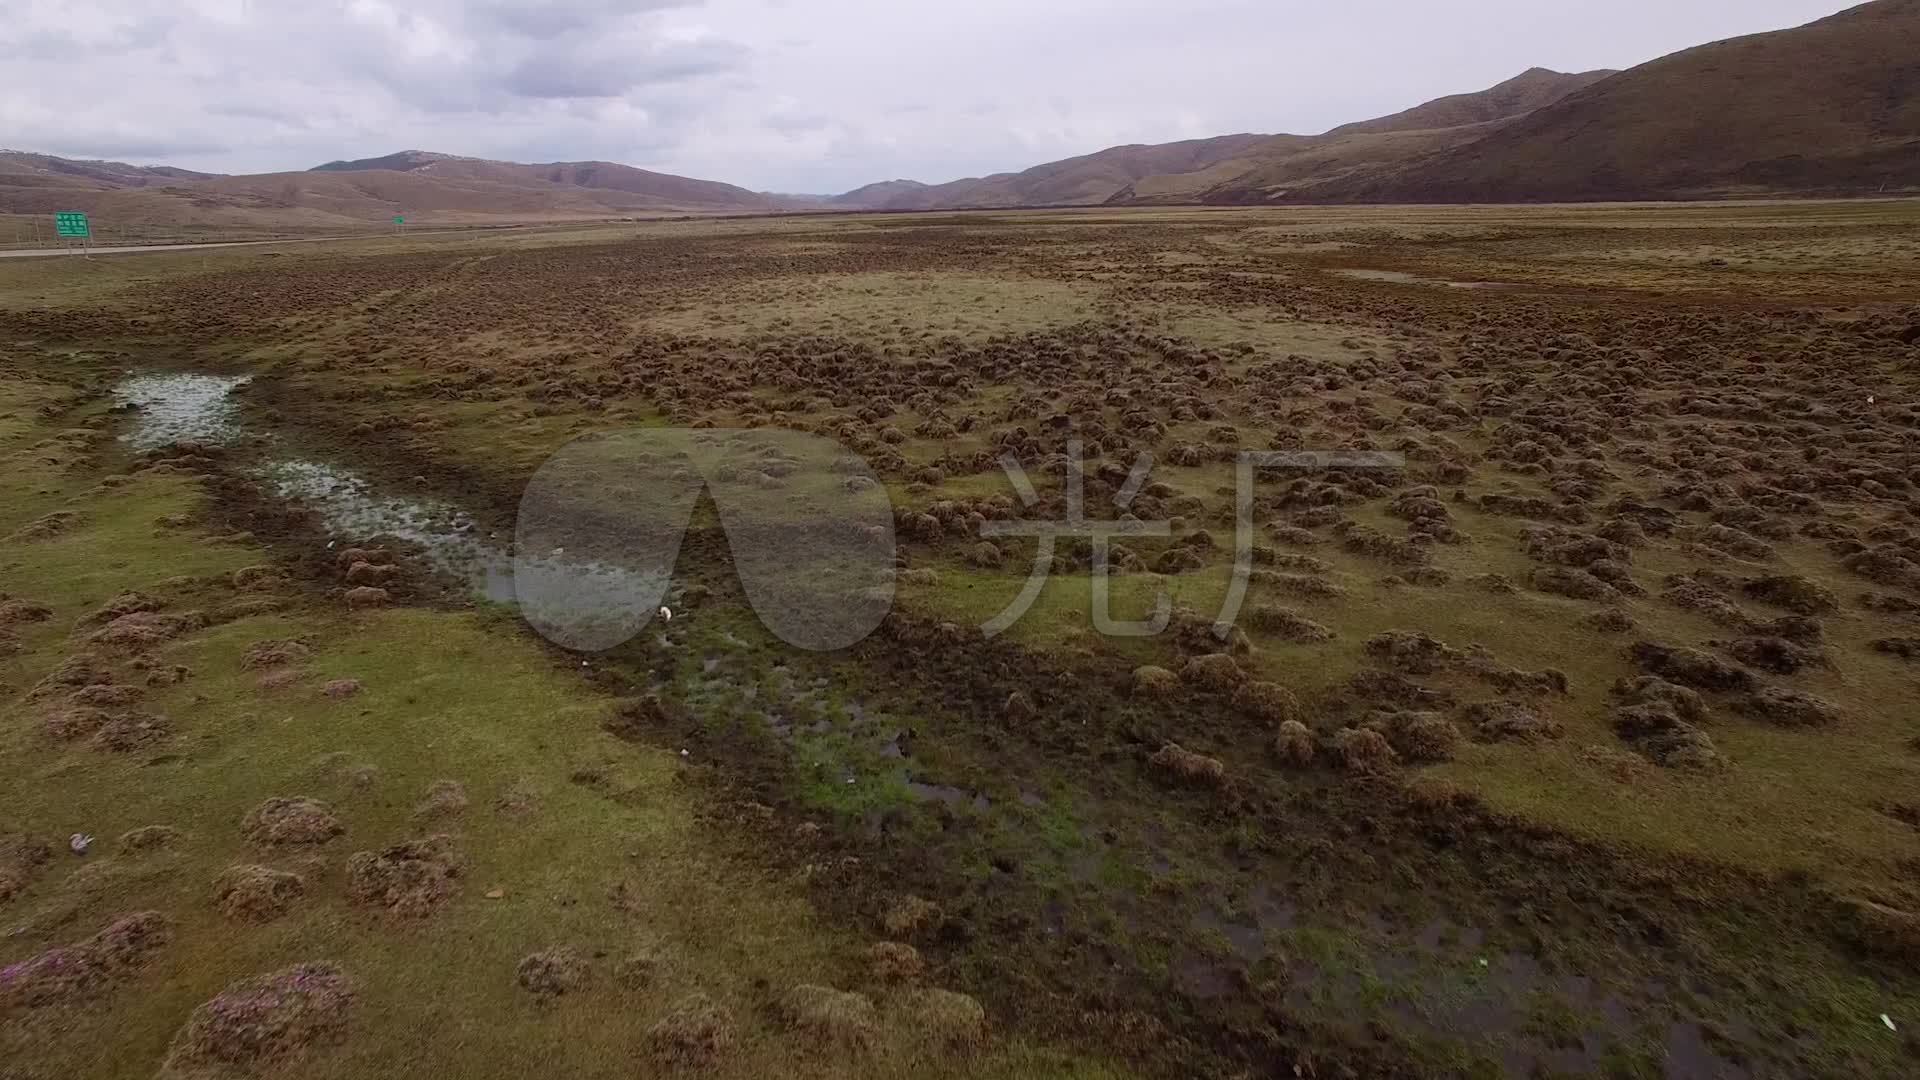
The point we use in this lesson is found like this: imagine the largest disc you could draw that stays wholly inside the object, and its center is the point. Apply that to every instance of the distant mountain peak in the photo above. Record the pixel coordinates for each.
(1531, 89)
(877, 196)
(1184, 170)
(403, 160)
(1823, 108)
(113, 173)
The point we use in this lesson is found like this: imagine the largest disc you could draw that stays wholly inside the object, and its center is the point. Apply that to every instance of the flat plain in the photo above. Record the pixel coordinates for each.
(1582, 741)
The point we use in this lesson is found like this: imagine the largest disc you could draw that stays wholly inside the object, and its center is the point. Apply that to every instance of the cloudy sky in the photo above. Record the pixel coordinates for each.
(782, 95)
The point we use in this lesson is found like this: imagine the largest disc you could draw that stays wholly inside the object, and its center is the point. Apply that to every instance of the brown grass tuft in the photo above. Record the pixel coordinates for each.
(21, 857)
(1502, 721)
(552, 972)
(1268, 702)
(1213, 671)
(1656, 730)
(1186, 767)
(256, 893)
(640, 969)
(67, 974)
(1287, 625)
(296, 820)
(1651, 688)
(835, 1017)
(1410, 652)
(274, 654)
(409, 879)
(1792, 592)
(1362, 750)
(912, 916)
(694, 1034)
(895, 962)
(149, 837)
(953, 1022)
(268, 1021)
(366, 596)
(1691, 667)
(445, 799)
(1294, 744)
(1788, 708)
(1417, 736)
(1154, 682)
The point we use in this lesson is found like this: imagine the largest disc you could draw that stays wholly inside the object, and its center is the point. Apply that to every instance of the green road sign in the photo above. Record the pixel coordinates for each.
(398, 220)
(70, 223)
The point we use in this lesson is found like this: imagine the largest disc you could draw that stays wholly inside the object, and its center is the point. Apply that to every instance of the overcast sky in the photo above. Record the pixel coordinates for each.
(782, 95)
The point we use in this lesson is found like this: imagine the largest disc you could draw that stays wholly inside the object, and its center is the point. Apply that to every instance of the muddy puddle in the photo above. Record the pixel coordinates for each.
(1401, 277)
(172, 408)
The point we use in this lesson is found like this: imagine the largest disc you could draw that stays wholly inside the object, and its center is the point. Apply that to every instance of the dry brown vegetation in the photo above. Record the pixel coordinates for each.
(1616, 669)
(264, 1022)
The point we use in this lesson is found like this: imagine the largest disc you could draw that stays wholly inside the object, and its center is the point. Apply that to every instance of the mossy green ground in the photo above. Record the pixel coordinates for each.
(445, 696)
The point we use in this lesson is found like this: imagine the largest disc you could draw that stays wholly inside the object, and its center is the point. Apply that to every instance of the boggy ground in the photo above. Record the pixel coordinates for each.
(1582, 743)
(329, 837)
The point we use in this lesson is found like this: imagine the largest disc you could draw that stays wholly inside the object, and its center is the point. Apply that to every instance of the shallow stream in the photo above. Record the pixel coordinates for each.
(170, 408)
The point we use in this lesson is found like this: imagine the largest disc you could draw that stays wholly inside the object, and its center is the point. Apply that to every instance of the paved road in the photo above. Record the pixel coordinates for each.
(37, 253)
(32, 253)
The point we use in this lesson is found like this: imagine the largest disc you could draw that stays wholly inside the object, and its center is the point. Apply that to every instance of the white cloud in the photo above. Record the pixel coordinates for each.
(256, 85)
(802, 95)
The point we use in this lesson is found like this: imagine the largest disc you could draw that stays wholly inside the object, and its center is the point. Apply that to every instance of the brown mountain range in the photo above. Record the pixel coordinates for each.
(424, 187)
(1184, 172)
(1092, 178)
(1288, 163)
(1832, 107)
(1525, 92)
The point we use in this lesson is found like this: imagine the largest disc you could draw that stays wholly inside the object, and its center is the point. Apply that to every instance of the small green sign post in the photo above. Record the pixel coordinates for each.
(399, 223)
(72, 223)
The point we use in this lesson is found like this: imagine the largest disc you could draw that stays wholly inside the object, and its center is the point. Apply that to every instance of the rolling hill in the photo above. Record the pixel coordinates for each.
(1832, 107)
(427, 188)
(877, 196)
(636, 188)
(1829, 107)
(1086, 180)
(1286, 162)
(1525, 92)
(19, 164)
(1185, 171)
